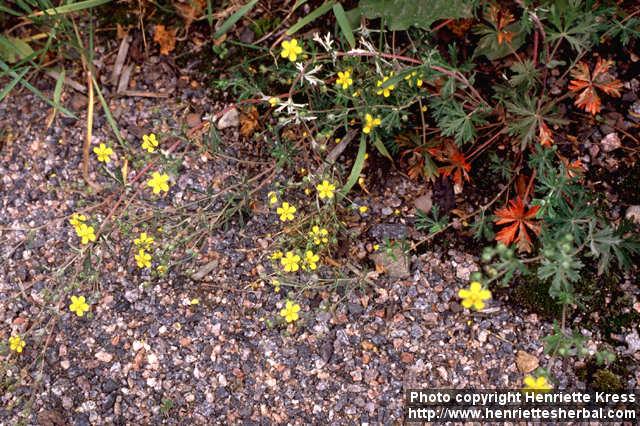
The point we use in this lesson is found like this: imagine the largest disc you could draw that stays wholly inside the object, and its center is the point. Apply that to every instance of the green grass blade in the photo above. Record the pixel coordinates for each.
(381, 148)
(311, 17)
(209, 13)
(356, 169)
(9, 87)
(344, 24)
(70, 8)
(57, 91)
(231, 20)
(35, 90)
(107, 113)
(10, 11)
(298, 4)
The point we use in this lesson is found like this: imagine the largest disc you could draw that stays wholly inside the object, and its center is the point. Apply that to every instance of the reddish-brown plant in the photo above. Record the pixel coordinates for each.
(587, 82)
(518, 219)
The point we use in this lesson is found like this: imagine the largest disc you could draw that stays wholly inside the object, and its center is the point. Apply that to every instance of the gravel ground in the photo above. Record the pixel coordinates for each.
(146, 356)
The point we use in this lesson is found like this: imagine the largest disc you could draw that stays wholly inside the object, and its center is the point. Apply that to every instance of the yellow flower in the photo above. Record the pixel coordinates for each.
(86, 233)
(376, 247)
(290, 49)
(161, 269)
(290, 262)
(370, 123)
(143, 259)
(363, 209)
(385, 91)
(276, 255)
(103, 152)
(311, 260)
(76, 219)
(326, 189)
(276, 285)
(319, 235)
(286, 212)
(78, 305)
(16, 344)
(540, 384)
(144, 241)
(273, 198)
(149, 142)
(273, 101)
(194, 301)
(344, 79)
(159, 182)
(290, 311)
(474, 296)
(410, 77)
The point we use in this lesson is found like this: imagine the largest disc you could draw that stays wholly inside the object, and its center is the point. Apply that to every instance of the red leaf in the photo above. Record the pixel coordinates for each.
(459, 167)
(545, 135)
(587, 82)
(518, 219)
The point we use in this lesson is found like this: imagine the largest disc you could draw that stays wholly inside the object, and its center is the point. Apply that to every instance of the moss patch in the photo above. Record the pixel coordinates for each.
(533, 294)
(604, 379)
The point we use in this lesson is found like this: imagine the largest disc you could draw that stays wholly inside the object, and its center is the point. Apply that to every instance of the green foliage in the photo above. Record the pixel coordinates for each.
(454, 120)
(559, 263)
(565, 344)
(433, 224)
(402, 14)
(571, 21)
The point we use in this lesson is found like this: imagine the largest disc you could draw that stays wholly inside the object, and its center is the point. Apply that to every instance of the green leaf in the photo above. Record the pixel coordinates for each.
(401, 14)
(9, 11)
(107, 113)
(231, 20)
(381, 148)
(327, 6)
(344, 24)
(356, 169)
(9, 87)
(13, 49)
(69, 8)
(57, 91)
(35, 90)
(488, 45)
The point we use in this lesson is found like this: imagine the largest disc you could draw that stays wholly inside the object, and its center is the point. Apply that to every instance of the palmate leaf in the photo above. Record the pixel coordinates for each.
(519, 220)
(586, 83)
(607, 242)
(401, 14)
(571, 21)
(454, 121)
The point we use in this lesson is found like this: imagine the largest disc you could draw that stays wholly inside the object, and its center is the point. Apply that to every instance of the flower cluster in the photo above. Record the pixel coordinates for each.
(143, 243)
(385, 91)
(370, 123)
(319, 235)
(85, 232)
(16, 344)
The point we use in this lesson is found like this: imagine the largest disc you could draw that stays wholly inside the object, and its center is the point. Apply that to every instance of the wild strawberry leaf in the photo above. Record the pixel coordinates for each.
(518, 219)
